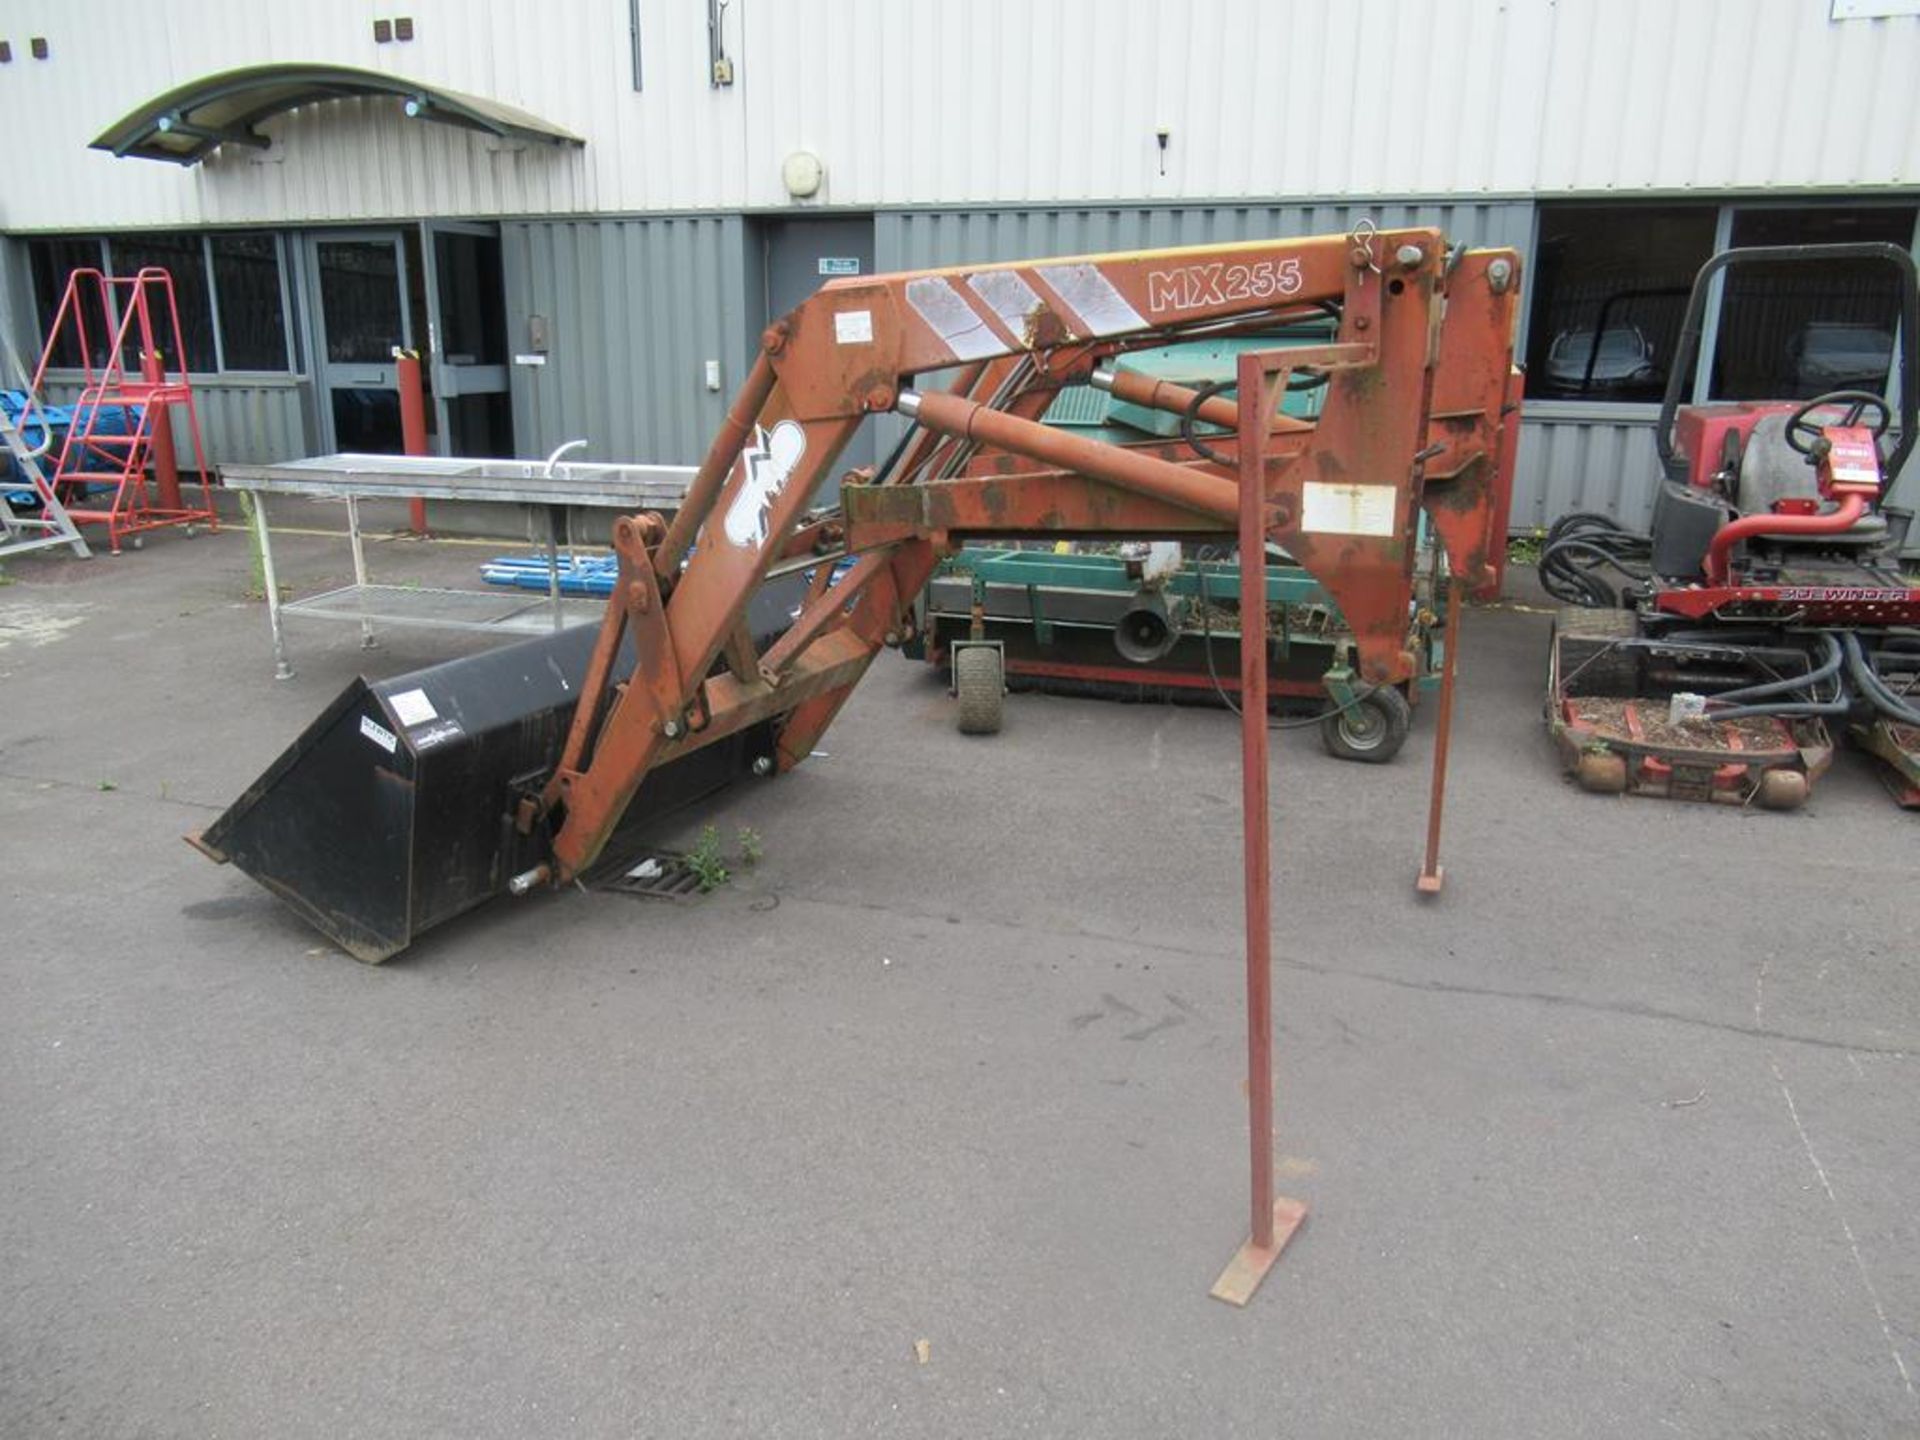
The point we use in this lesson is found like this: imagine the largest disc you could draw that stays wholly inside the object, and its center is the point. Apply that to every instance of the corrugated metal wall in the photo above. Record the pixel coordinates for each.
(1609, 465)
(241, 423)
(917, 239)
(990, 102)
(635, 309)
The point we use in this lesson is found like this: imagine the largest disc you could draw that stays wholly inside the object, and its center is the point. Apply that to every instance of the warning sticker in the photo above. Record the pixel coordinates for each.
(411, 707)
(1347, 509)
(379, 734)
(853, 327)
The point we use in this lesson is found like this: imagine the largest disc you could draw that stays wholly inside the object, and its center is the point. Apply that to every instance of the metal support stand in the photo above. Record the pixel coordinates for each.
(556, 522)
(281, 669)
(367, 641)
(1274, 1218)
(1432, 873)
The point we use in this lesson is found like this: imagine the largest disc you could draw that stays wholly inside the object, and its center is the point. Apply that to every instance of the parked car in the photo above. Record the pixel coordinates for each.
(1840, 355)
(1584, 362)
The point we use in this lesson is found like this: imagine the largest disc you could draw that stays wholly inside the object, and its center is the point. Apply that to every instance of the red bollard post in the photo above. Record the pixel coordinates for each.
(166, 465)
(413, 422)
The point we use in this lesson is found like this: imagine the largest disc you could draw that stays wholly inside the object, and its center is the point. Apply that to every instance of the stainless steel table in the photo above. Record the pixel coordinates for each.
(551, 484)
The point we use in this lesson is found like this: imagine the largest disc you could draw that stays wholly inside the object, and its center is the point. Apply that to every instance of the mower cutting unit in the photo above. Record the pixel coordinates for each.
(1714, 659)
(420, 797)
(1107, 625)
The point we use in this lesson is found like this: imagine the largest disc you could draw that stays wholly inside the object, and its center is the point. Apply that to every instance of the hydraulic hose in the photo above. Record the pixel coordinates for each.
(1580, 545)
(1756, 699)
(1873, 687)
(1829, 666)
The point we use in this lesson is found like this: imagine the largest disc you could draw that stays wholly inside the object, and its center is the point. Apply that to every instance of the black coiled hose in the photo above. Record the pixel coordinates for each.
(1581, 548)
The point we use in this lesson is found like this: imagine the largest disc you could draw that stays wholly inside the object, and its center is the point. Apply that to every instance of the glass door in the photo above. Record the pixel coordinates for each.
(361, 281)
(469, 337)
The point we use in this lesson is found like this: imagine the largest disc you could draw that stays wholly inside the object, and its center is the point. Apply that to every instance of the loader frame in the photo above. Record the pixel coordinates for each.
(1418, 413)
(1419, 417)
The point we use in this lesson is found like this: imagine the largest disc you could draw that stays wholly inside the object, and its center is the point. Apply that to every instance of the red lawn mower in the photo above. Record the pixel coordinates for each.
(1717, 658)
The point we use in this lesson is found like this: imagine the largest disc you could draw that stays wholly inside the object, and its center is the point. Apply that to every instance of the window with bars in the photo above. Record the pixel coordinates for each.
(230, 288)
(1610, 287)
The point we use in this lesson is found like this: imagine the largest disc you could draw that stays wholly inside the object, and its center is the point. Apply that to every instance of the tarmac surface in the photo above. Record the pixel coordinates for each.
(1617, 1137)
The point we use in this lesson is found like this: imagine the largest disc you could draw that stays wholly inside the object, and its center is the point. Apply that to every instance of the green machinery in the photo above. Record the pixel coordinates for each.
(1149, 623)
(1093, 624)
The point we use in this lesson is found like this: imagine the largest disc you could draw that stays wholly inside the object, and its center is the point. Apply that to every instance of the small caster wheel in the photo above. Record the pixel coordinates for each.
(979, 679)
(1781, 789)
(1602, 772)
(1371, 730)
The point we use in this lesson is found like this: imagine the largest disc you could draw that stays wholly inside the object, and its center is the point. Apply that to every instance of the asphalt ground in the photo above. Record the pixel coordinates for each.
(1615, 1138)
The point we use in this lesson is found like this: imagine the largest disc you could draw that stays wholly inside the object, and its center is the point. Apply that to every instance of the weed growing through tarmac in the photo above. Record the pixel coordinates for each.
(706, 862)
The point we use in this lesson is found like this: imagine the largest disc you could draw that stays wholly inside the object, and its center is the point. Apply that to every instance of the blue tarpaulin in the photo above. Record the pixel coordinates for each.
(112, 420)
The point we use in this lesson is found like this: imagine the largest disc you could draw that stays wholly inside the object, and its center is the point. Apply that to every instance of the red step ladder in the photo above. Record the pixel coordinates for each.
(123, 311)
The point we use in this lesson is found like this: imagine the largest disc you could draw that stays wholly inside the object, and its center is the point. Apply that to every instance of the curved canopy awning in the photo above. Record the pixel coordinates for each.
(188, 123)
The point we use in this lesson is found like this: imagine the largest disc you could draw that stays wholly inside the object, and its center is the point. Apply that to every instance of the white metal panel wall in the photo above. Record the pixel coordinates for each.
(993, 101)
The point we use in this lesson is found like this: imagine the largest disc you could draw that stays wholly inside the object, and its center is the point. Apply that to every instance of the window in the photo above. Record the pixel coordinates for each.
(1610, 289)
(253, 319)
(1791, 332)
(51, 261)
(227, 286)
(182, 256)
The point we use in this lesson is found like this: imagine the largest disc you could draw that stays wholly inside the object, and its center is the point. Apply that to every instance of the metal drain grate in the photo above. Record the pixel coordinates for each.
(662, 875)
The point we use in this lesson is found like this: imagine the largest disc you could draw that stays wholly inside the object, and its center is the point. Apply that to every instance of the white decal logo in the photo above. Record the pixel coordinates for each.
(770, 460)
(1192, 286)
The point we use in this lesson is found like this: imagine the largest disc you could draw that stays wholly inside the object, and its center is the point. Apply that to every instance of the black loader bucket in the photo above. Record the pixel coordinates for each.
(393, 811)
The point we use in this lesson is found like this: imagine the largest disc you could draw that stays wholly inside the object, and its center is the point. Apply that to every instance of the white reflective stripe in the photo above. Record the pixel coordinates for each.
(1103, 309)
(947, 313)
(1009, 297)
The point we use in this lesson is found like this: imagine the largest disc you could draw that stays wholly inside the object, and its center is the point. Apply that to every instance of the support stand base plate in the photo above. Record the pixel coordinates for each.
(1251, 1262)
(1429, 884)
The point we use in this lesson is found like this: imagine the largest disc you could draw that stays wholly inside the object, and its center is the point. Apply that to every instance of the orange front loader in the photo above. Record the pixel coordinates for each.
(500, 777)
(411, 800)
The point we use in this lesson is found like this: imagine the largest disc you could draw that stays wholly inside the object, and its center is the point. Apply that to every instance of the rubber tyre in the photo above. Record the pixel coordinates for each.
(1371, 731)
(979, 679)
(1601, 772)
(1781, 789)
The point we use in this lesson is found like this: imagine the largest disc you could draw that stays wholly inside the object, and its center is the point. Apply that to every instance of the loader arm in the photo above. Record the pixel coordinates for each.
(1418, 410)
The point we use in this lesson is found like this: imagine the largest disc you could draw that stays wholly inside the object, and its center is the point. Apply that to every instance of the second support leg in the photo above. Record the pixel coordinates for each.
(359, 570)
(1431, 871)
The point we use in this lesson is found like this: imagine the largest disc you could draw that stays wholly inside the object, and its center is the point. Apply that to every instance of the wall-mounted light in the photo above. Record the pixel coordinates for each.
(802, 173)
(416, 106)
